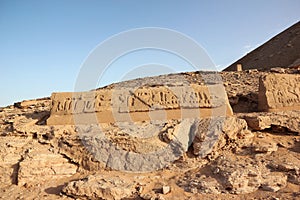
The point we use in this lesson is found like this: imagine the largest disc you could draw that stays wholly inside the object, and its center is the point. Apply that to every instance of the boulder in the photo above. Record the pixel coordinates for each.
(213, 134)
(41, 164)
(99, 187)
(287, 121)
(127, 155)
(242, 175)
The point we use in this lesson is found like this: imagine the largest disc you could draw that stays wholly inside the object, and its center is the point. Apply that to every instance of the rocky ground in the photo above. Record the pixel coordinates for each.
(253, 155)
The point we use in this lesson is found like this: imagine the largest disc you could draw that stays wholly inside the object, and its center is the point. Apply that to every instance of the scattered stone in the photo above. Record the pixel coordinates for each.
(147, 196)
(239, 67)
(11, 151)
(40, 161)
(294, 177)
(275, 198)
(160, 197)
(166, 189)
(277, 70)
(99, 187)
(33, 103)
(289, 120)
(264, 145)
(286, 162)
(213, 134)
(274, 181)
(194, 190)
(206, 185)
(40, 165)
(252, 70)
(244, 176)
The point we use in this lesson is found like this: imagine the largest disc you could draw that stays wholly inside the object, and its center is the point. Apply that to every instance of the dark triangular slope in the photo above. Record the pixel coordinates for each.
(283, 50)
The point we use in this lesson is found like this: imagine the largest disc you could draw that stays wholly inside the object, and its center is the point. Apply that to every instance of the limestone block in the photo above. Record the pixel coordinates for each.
(98, 187)
(139, 104)
(41, 164)
(288, 120)
(279, 92)
(211, 134)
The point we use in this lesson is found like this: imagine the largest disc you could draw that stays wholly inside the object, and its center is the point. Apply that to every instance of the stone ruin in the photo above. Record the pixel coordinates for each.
(182, 138)
(141, 104)
(153, 106)
(279, 92)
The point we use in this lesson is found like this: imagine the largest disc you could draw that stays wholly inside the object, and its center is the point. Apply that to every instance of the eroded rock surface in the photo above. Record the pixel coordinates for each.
(279, 92)
(245, 156)
(285, 121)
(149, 101)
(41, 163)
(97, 187)
(213, 134)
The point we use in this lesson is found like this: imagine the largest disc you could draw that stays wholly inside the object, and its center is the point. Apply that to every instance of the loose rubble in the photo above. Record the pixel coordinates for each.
(248, 155)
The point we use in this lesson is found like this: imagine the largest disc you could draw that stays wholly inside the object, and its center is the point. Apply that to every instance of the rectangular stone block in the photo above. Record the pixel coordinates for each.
(239, 68)
(279, 92)
(140, 104)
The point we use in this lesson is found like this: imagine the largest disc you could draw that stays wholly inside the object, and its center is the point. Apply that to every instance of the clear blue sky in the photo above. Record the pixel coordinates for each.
(44, 43)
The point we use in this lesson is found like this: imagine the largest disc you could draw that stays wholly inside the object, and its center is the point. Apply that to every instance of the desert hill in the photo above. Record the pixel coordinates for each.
(283, 50)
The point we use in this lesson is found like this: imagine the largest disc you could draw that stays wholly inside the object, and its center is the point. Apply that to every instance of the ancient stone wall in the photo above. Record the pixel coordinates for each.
(279, 92)
(127, 104)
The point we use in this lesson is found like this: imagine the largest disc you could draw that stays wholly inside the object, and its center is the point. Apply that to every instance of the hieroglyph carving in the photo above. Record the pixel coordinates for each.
(279, 92)
(138, 100)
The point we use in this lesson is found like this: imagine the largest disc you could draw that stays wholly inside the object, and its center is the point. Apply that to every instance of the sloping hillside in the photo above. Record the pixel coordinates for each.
(283, 50)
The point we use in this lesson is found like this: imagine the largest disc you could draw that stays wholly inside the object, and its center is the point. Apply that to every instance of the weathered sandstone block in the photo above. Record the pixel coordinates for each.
(288, 121)
(211, 134)
(41, 165)
(246, 176)
(141, 104)
(127, 155)
(33, 102)
(11, 149)
(100, 187)
(279, 92)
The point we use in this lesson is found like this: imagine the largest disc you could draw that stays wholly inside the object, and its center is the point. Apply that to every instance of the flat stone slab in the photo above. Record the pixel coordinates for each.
(288, 120)
(279, 92)
(139, 104)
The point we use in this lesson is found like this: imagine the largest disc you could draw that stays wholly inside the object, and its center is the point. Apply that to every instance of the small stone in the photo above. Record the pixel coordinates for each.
(278, 70)
(216, 171)
(274, 182)
(160, 197)
(252, 70)
(265, 146)
(166, 189)
(275, 198)
(260, 135)
(194, 190)
(146, 196)
(100, 187)
(139, 189)
(286, 119)
(239, 67)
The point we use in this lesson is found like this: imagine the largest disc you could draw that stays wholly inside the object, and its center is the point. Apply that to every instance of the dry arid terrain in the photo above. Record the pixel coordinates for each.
(194, 135)
(250, 153)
